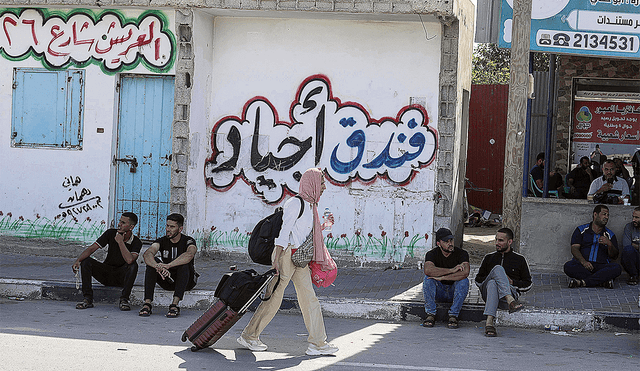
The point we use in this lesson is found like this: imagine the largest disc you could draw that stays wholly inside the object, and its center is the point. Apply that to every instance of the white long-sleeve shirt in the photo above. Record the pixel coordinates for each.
(295, 230)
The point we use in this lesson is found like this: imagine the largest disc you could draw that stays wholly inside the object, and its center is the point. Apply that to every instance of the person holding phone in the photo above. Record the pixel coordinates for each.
(609, 187)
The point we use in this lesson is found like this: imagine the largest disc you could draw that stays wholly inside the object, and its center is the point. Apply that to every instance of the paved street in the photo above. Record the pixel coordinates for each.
(53, 335)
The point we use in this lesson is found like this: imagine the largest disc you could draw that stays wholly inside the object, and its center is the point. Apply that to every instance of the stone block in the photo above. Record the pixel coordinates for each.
(179, 179)
(268, 5)
(324, 6)
(385, 7)
(213, 3)
(401, 7)
(286, 5)
(250, 4)
(233, 4)
(306, 5)
(181, 129)
(183, 16)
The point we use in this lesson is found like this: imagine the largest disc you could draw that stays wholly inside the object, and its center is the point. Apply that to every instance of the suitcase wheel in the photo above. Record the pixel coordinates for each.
(194, 348)
(184, 336)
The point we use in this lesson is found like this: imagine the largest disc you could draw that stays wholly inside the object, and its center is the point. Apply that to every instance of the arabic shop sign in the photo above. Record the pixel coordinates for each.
(606, 122)
(587, 27)
(81, 37)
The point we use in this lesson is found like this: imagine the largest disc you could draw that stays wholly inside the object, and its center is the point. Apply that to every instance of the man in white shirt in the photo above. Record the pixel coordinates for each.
(609, 183)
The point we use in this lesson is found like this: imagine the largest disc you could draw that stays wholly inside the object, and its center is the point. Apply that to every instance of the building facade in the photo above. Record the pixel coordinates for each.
(215, 108)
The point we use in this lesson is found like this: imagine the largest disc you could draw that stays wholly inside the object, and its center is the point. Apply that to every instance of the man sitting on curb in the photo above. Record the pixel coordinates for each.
(592, 245)
(446, 269)
(174, 270)
(630, 241)
(119, 267)
(502, 276)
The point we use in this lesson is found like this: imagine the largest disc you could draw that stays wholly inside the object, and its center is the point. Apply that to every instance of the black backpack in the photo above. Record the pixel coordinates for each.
(238, 288)
(261, 242)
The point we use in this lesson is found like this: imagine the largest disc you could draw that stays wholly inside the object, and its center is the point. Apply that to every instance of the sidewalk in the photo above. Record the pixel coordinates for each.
(372, 293)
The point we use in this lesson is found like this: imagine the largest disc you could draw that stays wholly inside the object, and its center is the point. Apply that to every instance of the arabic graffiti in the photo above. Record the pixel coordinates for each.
(78, 200)
(616, 2)
(80, 37)
(270, 155)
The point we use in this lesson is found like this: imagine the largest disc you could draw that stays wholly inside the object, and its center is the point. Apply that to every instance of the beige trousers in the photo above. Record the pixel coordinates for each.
(309, 304)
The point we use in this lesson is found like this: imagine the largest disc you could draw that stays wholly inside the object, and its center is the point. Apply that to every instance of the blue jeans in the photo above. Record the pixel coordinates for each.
(493, 290)
(630, 260)
(435, 291)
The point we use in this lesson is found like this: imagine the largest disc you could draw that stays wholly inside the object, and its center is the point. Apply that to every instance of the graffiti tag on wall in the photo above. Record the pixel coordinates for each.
(79, 200)
(80, 37)
(270, 155)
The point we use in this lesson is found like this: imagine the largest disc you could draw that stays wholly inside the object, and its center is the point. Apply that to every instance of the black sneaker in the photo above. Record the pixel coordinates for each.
(632, 281)
(608, 284)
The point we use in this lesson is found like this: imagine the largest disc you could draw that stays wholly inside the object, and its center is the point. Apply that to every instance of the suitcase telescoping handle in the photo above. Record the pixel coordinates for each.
(271, 274)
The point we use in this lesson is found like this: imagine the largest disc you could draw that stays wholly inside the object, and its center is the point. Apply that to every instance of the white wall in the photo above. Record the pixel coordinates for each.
(33, 180)
(378, 66)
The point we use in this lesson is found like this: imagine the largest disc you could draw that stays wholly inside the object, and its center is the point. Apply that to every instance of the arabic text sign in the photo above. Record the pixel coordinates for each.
(606, 122)
(588, 27)
(80, 37)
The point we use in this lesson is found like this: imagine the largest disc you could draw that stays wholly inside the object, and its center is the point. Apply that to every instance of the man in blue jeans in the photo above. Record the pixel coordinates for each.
(446, 269)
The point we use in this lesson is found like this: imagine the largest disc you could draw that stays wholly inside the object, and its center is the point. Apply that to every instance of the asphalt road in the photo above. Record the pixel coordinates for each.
(53, 335)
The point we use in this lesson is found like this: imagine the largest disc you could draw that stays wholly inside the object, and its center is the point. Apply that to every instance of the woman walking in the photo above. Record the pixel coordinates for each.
(293, 233)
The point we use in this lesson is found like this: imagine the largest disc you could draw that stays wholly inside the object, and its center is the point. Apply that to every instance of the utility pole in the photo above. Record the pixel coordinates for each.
(516, 117)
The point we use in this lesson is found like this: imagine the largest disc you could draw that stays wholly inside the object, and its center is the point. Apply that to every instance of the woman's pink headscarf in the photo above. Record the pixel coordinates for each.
(310, 191)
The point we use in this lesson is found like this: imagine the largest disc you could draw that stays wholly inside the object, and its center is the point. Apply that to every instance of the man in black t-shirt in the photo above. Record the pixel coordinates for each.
(173, 270)
(119, 267)
(446, 269)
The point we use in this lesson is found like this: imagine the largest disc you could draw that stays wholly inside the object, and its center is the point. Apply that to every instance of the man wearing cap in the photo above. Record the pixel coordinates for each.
(446, 269)
(502, 276)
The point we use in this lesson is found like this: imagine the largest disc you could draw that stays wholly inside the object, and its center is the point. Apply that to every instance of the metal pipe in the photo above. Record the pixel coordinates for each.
(527, 131)
(550, 105)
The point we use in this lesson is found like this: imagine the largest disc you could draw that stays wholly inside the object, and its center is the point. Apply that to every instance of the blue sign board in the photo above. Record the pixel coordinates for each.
(608, 28)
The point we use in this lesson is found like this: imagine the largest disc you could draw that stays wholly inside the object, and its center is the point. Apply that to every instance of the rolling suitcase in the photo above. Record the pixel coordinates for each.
(235, 296)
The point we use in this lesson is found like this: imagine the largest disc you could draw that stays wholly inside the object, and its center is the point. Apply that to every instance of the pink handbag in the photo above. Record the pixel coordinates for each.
(322, 278)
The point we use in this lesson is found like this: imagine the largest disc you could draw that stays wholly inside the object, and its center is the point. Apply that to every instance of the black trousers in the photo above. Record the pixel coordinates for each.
(123, 276)
(182, 279)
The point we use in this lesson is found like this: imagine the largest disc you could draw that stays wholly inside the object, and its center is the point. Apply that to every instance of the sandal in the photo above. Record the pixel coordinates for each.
(490, 331)
(515, 306)
(124, 305)
(430, 321)
(453, 322)
(146, 310)
(86, 303)
(174, 311)
(576, 283)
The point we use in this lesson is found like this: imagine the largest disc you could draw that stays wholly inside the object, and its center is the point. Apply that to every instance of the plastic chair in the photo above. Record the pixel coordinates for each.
(537, 192)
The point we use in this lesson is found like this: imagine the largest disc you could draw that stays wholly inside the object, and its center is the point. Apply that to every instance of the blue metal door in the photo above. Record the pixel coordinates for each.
(143, 155)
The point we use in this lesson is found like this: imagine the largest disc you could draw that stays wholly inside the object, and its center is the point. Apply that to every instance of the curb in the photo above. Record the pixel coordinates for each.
(386, 310)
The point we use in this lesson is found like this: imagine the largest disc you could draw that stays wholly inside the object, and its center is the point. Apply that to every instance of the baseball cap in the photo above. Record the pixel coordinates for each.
(443, 234)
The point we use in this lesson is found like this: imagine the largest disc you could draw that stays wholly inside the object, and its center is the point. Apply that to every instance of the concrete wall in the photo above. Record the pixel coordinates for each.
(548, 224)
(36, 183)
(367, 73)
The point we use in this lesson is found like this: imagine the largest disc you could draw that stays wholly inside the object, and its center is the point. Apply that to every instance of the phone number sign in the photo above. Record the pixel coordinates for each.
(588, 27)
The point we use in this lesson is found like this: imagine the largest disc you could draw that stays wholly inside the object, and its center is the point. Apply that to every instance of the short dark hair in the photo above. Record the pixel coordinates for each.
(176, 218)
(506, 231)
(540, 156)
(598, 208)
(637, 209)
(584, 158)
(132, 217)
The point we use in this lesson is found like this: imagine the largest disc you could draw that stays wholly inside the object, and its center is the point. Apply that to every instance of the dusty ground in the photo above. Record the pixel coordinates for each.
(479, 241)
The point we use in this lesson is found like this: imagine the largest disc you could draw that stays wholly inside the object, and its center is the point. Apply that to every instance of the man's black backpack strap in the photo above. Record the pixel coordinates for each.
(262, 240)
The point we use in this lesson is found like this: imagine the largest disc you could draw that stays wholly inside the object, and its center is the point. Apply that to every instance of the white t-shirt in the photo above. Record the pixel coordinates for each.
(619, 184)
(295, 230)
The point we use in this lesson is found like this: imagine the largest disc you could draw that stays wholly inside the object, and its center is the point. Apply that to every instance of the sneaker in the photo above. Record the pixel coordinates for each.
(324, 350)
(632, 281)
(608, 284)
(254, 345)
